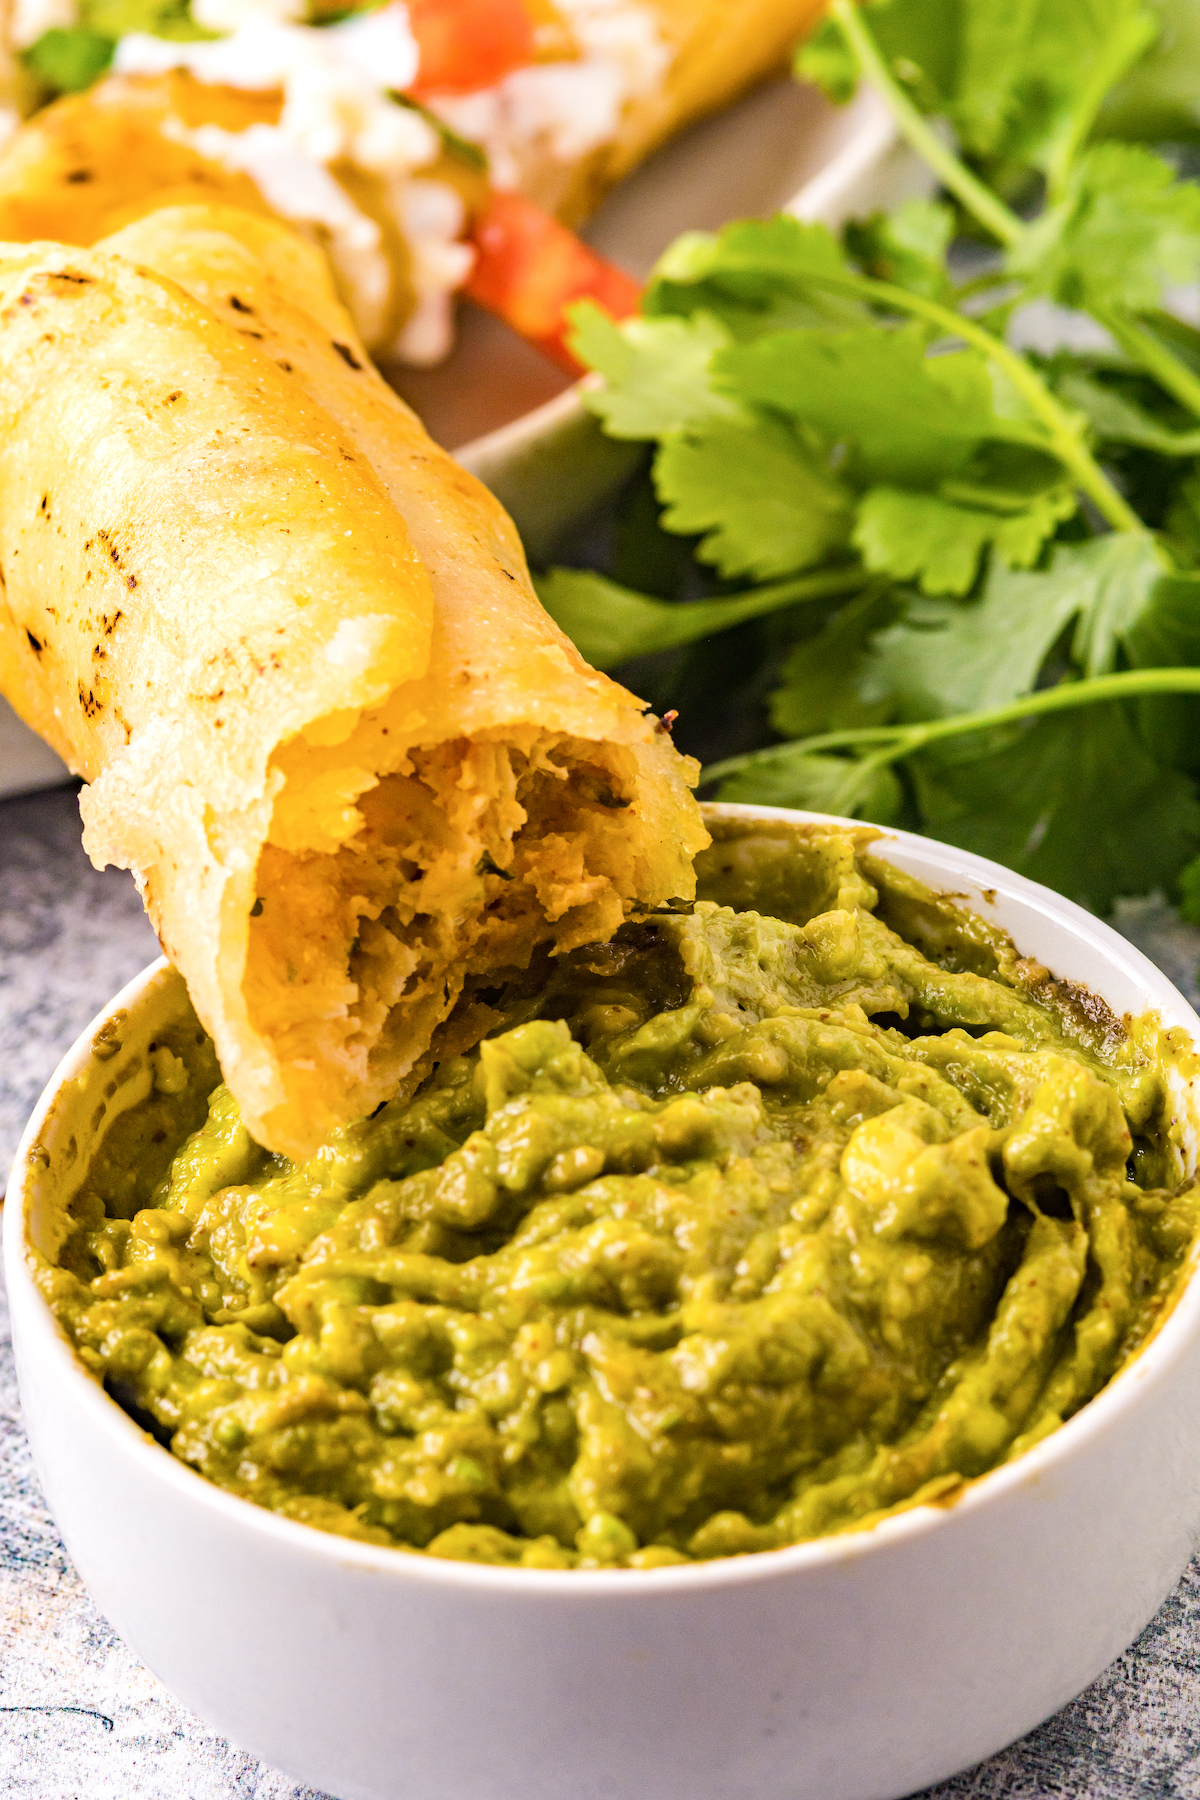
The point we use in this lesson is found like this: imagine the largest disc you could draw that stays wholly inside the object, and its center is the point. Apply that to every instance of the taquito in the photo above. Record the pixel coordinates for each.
(294, 650)
(718, 50)
(308, 119)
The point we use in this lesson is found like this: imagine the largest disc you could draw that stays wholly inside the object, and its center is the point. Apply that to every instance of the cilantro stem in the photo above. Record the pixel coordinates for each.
(1066, 439)
(953, 173)
(1142, 345)
(610, 624)
(895, 741)
(1004, 224)
(990, 212)
(1117, 56)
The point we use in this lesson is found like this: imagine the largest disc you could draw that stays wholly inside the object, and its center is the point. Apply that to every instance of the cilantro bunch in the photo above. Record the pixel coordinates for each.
(947, 581)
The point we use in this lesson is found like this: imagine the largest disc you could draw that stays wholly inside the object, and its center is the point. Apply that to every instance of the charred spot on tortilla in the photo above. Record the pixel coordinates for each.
(36, 644)
(106, 538)
(346, 353)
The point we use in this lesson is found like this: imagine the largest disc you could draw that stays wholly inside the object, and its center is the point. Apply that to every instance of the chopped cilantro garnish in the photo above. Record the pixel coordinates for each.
(161, 18)
(473, 155)
(68, 60)
(71, 60)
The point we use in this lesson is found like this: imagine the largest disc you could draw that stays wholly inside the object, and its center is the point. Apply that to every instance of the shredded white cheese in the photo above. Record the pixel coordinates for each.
(377, 49)
(539, 120)
(31, 17)
(336, 108)
(298, 188)
(229, 15)
(337, 82)
(433, 218)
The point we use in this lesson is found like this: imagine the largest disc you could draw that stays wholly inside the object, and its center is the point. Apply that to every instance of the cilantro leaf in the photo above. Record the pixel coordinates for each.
(754, 276)
(906, 247)
(1018, 81)
(948, 657)
(610, 624)
(912, 418)
(1155, 103)
(821, 685)
(1123, 571)
(1124, 230)
(931, 539)
(69, 60)
(1073, 800)
(1166, 634)
(655, 371)
(1030, 73)
(762, 491)
(1117, 419)
(826, 59)
(919, 38)
(818, 783)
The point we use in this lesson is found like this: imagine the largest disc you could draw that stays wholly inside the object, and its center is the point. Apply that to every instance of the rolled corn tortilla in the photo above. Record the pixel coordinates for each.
(294, 650)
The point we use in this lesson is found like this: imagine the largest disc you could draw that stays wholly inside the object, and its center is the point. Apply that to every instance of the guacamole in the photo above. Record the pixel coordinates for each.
(770, 1216)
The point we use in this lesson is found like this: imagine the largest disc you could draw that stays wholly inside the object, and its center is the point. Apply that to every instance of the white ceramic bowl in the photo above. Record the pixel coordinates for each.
(859, 1667)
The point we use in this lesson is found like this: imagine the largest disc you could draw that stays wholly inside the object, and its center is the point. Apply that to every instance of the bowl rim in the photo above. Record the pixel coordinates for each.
(1153, 1362)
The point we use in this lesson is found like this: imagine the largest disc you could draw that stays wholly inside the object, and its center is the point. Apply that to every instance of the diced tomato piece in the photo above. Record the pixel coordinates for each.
(469, 44)
(529, 268)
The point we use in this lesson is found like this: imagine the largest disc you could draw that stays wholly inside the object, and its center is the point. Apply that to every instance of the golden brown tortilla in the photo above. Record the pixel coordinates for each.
(294, 649)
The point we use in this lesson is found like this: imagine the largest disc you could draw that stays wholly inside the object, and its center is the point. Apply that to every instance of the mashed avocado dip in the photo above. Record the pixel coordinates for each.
(765, 1219)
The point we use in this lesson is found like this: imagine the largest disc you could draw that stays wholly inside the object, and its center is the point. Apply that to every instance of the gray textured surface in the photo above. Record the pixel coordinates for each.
(81, 1719)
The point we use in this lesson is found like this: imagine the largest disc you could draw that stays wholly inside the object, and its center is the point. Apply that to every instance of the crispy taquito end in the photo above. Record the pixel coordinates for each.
(198, 566)
(452, 788)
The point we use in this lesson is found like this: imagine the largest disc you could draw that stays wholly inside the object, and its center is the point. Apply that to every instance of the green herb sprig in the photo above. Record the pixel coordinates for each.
(955, 580)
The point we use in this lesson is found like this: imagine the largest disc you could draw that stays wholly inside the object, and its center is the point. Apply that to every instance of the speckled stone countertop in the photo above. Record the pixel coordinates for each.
(81, 1719)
